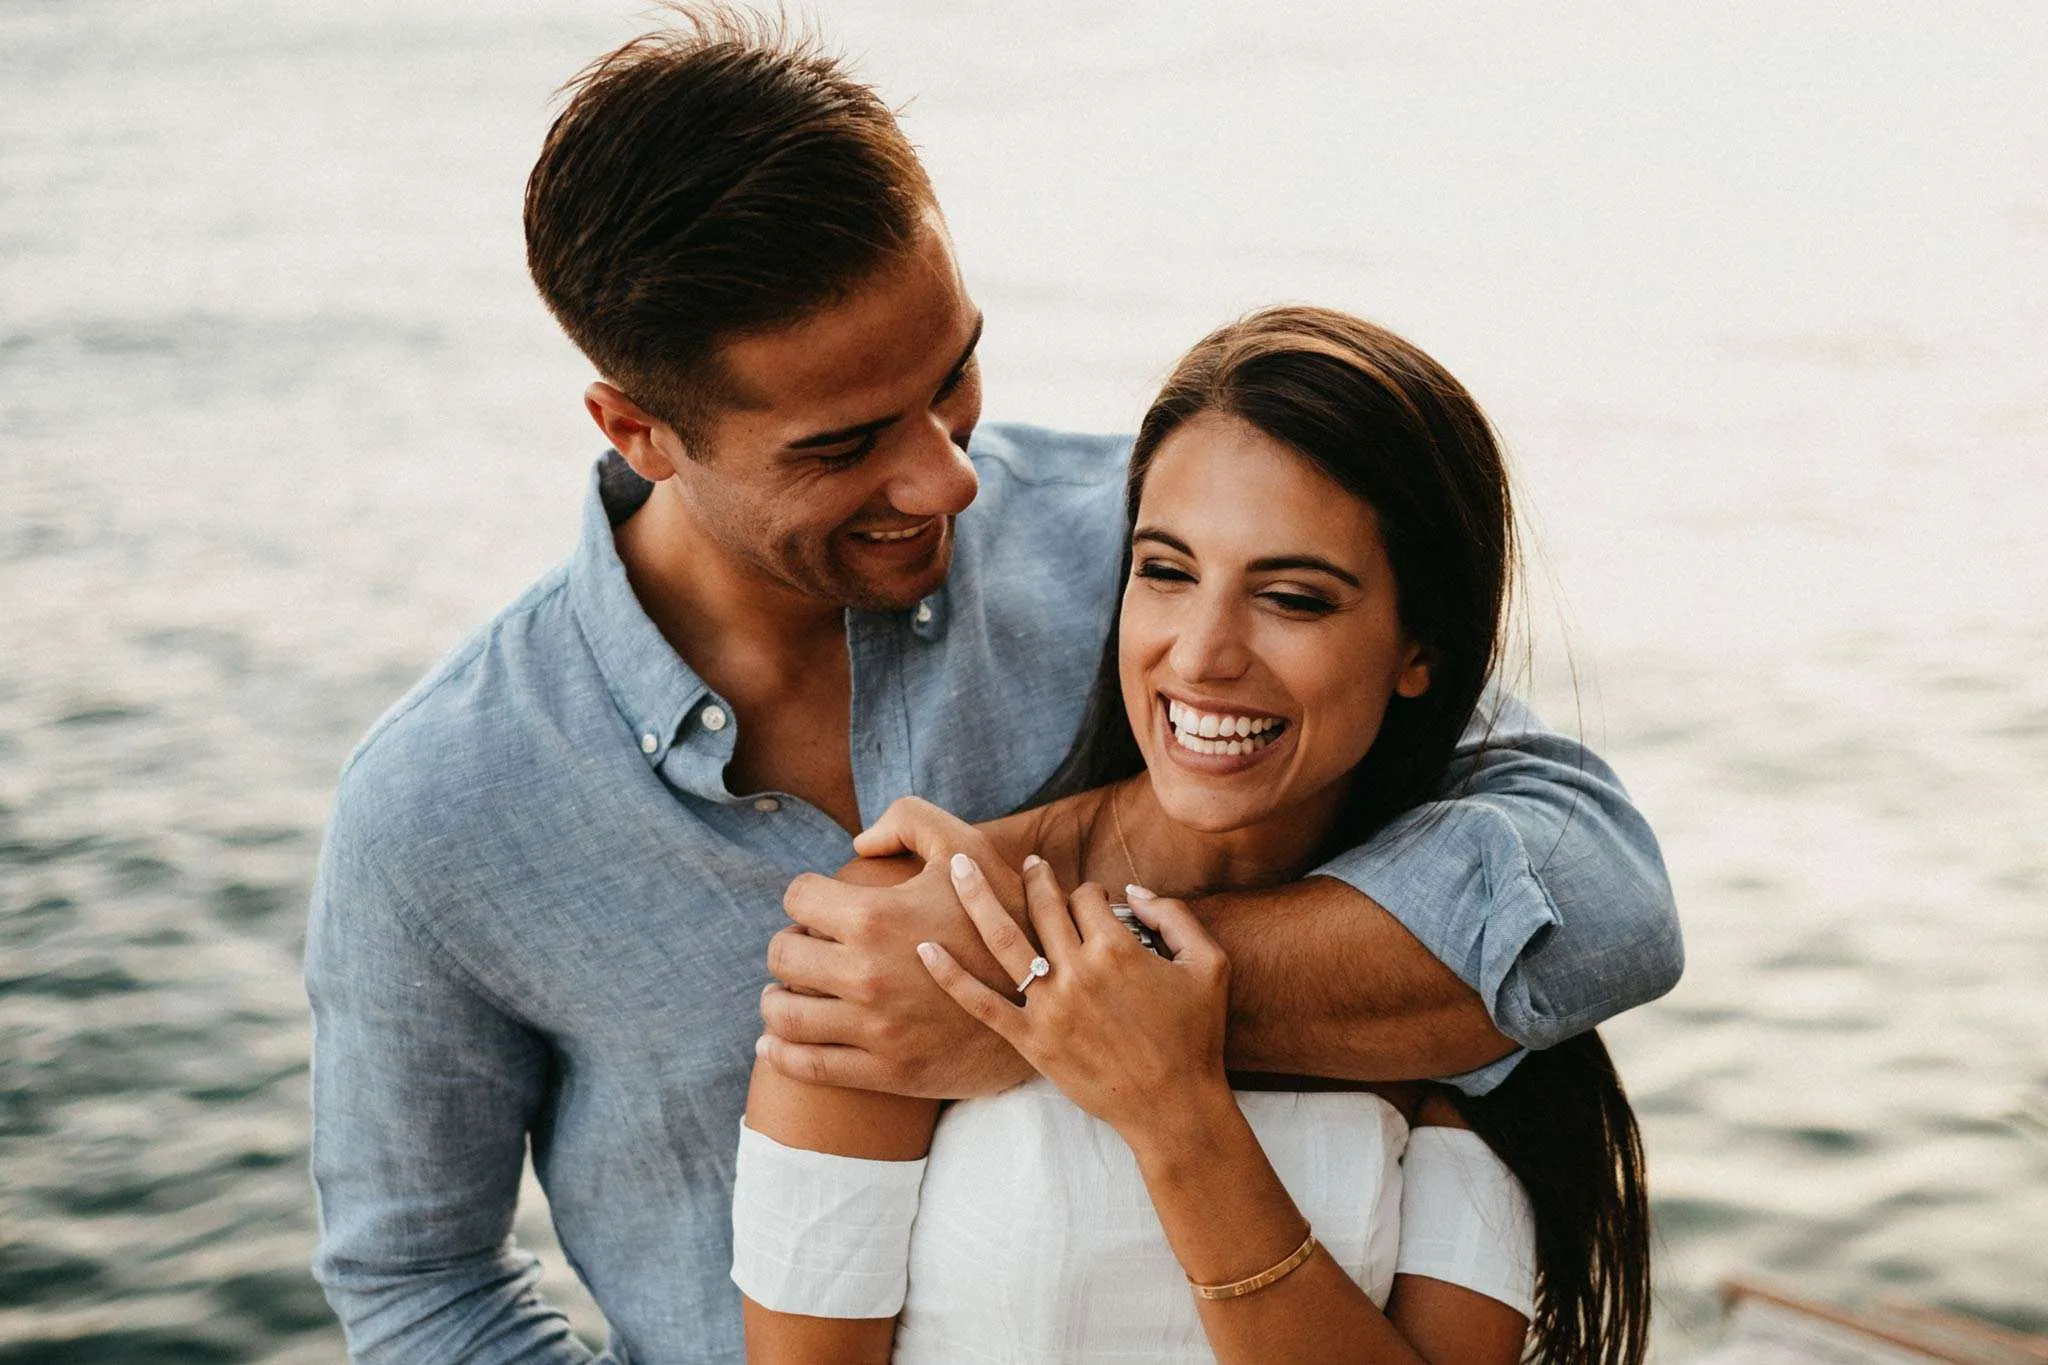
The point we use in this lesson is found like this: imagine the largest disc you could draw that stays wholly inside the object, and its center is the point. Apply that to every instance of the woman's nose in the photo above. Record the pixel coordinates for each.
(1210, 644)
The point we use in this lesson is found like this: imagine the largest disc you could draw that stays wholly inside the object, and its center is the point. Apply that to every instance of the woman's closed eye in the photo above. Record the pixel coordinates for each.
(1301, 603)
(1159, 571)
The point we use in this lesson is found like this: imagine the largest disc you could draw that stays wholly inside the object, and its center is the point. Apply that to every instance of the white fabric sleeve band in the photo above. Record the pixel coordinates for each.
(822, 1235)
(1465, 1219)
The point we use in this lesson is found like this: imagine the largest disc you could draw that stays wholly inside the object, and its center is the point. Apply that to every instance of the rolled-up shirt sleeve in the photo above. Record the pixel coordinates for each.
(423, 1093)
(1535, 879)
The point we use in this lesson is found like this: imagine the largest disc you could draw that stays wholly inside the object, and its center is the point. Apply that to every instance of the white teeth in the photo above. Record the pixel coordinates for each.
(890, 535)
(1217, 733)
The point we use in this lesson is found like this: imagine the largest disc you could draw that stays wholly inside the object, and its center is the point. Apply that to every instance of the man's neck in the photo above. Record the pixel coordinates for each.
(738, 630)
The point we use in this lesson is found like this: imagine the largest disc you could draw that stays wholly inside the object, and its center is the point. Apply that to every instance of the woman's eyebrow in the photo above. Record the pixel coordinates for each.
(1310, 562)
(1171, 542)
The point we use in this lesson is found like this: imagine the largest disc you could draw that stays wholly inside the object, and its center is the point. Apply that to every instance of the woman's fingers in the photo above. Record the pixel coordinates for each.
(998, 930)
(1175, 924)
(970, 995)
(1092, 912)
(1050, 918)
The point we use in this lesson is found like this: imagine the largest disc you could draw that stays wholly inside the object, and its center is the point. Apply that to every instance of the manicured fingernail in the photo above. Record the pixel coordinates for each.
(761, 1046)
(1133, 889)
(1032, 860)
(963, 866)
(929, 952)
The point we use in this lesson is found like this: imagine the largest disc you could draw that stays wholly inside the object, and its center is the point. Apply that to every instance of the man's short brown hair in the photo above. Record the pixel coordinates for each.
(711, 179)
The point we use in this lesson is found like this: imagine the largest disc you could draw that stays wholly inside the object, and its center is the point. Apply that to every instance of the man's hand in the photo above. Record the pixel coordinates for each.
(855, 1006)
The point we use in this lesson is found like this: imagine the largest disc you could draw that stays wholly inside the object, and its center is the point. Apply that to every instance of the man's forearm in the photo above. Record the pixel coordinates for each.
(1324, 982)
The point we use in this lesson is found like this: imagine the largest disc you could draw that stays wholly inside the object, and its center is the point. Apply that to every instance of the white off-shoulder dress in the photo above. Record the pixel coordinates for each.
(1027, 1234)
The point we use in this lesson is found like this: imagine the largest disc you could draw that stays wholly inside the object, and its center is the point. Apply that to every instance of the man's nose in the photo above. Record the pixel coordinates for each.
(1210, 644)
(933, 476)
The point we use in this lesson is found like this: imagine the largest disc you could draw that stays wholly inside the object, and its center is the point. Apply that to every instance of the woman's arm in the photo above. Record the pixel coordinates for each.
(1138, 1041)
(824, 1118)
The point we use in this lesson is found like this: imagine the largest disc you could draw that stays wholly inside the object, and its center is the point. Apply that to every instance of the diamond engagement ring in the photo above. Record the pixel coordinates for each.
(1039, 967)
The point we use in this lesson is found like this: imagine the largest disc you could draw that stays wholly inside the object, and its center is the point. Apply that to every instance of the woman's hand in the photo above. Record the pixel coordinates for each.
(1124, 1033)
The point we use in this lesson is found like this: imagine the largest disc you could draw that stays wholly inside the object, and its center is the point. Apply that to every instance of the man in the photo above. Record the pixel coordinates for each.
(554, 869)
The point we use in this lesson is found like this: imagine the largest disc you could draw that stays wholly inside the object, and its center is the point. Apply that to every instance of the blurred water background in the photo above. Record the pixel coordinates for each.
(1758, 295)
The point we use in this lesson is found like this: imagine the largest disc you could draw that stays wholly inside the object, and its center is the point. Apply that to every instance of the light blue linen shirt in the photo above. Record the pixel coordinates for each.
(541, 916)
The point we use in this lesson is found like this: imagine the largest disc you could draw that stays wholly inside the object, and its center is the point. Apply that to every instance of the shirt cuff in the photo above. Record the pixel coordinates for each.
(822, 1235)
(1457, 876)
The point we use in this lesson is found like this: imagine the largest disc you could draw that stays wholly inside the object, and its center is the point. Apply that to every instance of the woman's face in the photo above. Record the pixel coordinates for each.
(1260, 642)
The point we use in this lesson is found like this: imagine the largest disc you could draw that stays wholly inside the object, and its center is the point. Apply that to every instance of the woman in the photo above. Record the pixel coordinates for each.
(1320, 554)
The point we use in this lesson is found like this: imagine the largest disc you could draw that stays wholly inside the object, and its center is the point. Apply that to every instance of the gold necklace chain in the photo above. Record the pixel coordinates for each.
(1116, 820)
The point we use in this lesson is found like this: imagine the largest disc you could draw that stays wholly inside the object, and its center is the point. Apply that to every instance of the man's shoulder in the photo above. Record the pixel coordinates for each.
(1051, 499)
(1039, 457)
(460, 722)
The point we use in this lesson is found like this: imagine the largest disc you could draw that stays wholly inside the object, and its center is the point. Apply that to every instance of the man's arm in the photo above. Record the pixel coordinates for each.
(422, 1095)
(1535, 880)
(1324, 982)
(1524, 908)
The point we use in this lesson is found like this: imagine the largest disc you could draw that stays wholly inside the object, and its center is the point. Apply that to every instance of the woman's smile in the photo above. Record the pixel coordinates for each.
(1219, 740)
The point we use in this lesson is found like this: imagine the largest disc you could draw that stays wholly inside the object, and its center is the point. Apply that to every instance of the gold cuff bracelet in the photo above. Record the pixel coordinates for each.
(1237, 1289)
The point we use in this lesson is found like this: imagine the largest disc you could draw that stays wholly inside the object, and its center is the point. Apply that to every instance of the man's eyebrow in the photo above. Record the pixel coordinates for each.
(844, 434)
(861, 430)
(1271, 564)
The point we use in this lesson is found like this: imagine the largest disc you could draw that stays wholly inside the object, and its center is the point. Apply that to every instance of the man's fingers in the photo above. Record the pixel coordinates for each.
(970, 995)
(819, 903)
(1048, 904)
(822, 1064)
(1012, 950)
(814, 966)
(1173, 922)
(912, 825)
(796, 1018)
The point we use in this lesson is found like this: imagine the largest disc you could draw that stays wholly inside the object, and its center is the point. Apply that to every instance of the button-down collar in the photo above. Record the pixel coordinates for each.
(659, 697)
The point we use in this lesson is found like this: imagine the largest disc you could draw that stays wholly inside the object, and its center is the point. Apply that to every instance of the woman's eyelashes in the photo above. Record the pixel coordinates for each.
(1306, 604)
(1159, 571)
(1292, 600)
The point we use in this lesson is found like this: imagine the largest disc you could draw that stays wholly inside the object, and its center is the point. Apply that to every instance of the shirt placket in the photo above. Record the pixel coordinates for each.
(880, 721)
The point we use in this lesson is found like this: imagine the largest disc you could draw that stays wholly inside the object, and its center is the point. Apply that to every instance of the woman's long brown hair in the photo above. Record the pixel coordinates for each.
(1388, 424)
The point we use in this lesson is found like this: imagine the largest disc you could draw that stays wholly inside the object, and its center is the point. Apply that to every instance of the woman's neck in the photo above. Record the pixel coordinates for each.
(1128, 837)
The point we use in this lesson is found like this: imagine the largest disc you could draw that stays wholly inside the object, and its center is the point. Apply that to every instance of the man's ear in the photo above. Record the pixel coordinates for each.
(1413, 680)
(648, 444)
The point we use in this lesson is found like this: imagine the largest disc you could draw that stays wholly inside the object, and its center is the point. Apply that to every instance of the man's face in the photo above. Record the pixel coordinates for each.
(839, 476)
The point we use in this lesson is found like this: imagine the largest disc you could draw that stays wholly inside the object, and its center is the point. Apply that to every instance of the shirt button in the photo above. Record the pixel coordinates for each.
(767, 805)
(649, 743)
(713, 717)
(924, 613)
